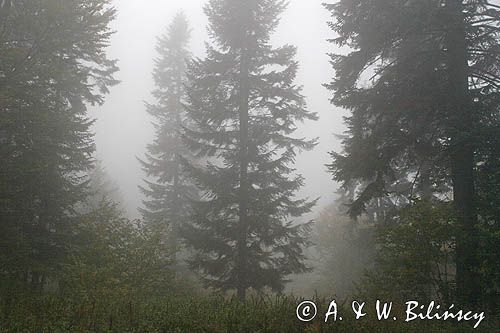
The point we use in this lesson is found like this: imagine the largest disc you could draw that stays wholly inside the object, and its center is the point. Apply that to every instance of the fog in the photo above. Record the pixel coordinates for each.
(143, 193)
(123, 128)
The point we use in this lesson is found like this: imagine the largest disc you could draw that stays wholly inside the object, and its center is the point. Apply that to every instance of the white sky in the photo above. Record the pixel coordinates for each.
(123, 127)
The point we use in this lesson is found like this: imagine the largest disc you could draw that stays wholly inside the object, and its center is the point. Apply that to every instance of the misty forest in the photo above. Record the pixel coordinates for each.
(208, 165)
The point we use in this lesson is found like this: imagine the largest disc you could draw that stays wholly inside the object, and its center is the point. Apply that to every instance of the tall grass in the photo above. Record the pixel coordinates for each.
(51, 314)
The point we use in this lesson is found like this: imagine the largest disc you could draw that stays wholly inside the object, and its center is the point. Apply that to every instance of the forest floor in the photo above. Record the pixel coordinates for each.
(40, 314)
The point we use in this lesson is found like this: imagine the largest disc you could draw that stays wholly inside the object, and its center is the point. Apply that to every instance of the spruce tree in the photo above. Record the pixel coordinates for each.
(102, 189)
(168, 194)
(432, 95)
(52, 65)
(245, 106)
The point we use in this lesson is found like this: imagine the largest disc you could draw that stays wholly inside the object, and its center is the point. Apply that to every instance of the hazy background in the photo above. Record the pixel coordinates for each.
(123, 127)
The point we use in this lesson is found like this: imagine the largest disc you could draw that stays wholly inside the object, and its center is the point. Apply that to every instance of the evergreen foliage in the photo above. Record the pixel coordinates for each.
(102, 189)
(52, 64)
(244, 106)
(169, 192)
(426, 111)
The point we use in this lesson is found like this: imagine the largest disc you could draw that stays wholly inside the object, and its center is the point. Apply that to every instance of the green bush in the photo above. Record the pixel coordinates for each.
(415, 255)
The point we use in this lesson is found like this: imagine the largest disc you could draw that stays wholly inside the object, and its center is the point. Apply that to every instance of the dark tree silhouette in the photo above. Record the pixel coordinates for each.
(52, 64)
(431, 99)
(245, 108)
(168, 193)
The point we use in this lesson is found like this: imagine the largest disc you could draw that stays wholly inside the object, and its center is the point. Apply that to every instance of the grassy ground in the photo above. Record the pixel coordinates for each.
(208, 314)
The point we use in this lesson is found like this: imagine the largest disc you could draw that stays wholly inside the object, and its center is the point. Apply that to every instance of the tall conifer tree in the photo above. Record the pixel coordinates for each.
(168, 194)
(431, 103)
(245, 108)
(52, 64)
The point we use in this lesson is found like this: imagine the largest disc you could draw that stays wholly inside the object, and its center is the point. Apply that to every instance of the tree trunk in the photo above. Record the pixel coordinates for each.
(462, 158)
(175, 224)
(243, 190)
